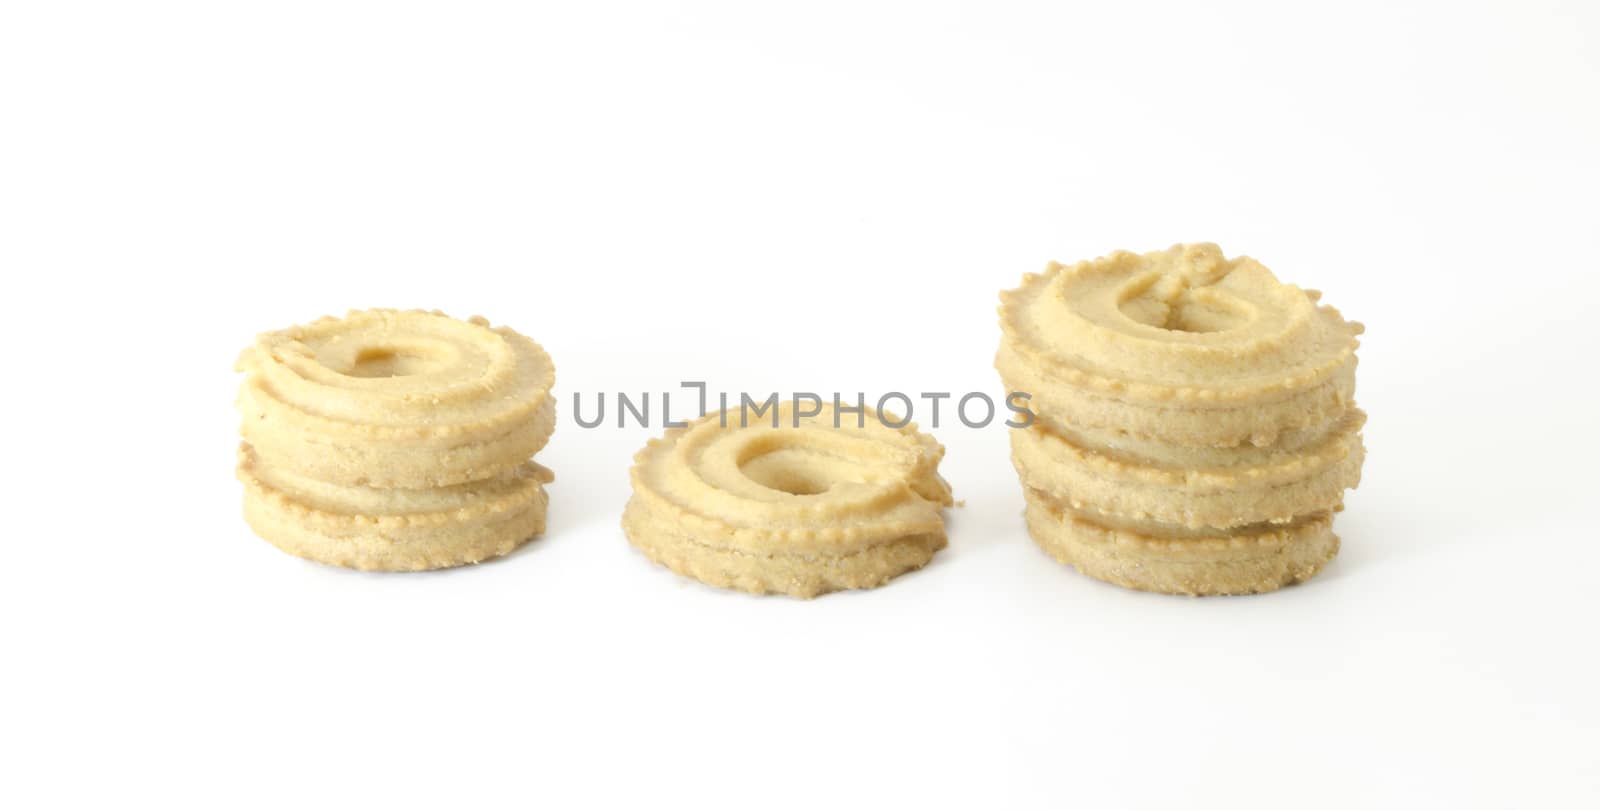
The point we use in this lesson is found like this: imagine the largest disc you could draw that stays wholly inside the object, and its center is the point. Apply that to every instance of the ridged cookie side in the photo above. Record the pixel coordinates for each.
(1247, 560)
(802, 575)
(1313, 480)
(393, 530)
(340, 459)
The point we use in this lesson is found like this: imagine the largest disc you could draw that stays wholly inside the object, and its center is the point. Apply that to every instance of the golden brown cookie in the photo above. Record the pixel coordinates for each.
(807, 507)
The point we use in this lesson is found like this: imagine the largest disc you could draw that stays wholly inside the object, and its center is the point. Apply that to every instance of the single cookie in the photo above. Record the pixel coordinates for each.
(789, 503)
(1222, 491)
(402, 399)
(1182, 346)
(1250, 559)
(393, 529)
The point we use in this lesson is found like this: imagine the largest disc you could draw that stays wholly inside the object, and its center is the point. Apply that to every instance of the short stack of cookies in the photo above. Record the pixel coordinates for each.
(393, 440)
(1195, 425)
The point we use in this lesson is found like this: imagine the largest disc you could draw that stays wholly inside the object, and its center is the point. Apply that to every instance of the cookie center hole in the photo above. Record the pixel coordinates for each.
(394, 361)
(799, 472)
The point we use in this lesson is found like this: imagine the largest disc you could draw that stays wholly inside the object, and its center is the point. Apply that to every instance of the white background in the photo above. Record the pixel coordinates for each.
(825, 197)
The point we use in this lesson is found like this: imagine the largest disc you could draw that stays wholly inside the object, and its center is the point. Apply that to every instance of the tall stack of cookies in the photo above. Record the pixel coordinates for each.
(1195, 428)
(394, 440)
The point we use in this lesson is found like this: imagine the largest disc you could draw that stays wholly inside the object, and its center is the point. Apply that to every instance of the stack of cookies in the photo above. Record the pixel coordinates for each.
(1194, 424)
(395, 440)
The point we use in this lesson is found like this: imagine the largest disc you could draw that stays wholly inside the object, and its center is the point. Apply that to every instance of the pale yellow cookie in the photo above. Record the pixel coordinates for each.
(393, 440)
(1252, 559)
(1226, 493)
(1195, 422)
(793, 574)
(803, 508)
(389, 398)
(1181, 345)
(393, 529)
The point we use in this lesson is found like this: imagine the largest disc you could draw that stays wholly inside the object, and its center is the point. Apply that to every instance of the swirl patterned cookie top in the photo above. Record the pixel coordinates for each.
(803, 505)
(1181, 325)
(397, 398)
(811, 486)
(400, 373)
(1180, 346)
